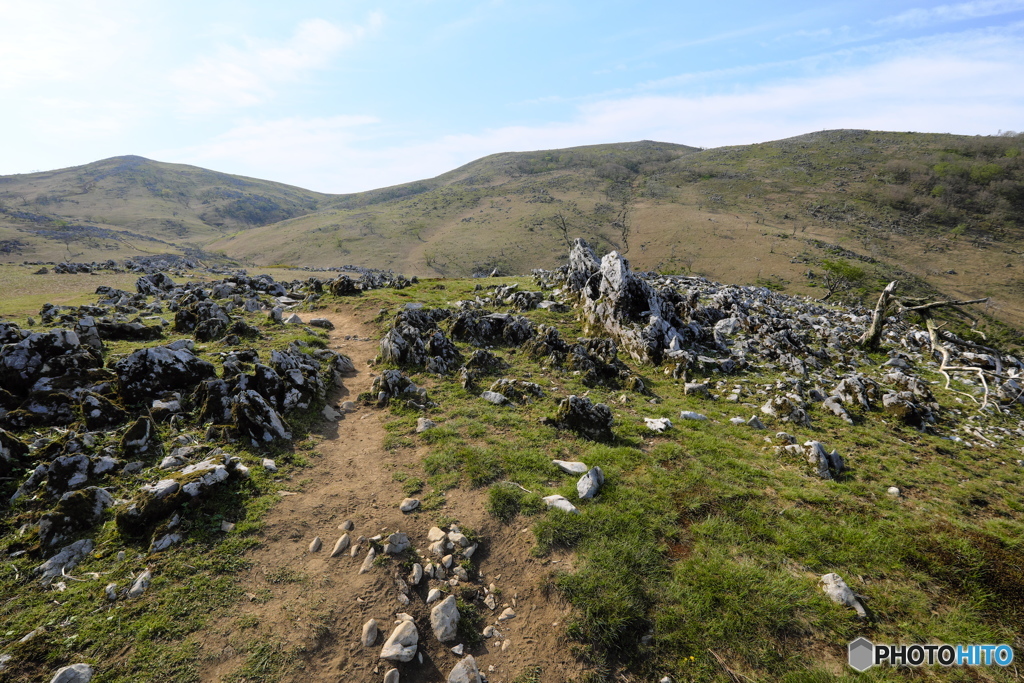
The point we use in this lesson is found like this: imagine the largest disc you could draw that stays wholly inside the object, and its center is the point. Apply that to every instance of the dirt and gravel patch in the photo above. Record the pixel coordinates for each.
(304, 611)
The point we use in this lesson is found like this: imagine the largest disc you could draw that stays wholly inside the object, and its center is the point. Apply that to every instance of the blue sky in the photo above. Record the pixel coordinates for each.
(350, 95)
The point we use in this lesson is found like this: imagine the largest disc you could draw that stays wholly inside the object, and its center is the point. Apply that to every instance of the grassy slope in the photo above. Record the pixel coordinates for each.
(920, 205)
(942, 213)
(173, 205)
(703, 536)
(708, 539)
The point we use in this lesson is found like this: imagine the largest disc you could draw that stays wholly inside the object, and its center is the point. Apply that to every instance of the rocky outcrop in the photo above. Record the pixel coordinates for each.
(150, 372)
(578, 414)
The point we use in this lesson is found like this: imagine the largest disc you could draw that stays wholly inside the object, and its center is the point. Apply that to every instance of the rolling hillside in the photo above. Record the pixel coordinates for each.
(943, 213)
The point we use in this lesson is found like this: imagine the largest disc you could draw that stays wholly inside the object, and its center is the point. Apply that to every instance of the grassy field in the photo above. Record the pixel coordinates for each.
(708, 540)
(703, 538)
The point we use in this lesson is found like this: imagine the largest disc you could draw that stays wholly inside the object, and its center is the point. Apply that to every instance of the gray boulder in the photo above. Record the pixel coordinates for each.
(76, 673)
(444, 619)
(465, 671)
(402, 643)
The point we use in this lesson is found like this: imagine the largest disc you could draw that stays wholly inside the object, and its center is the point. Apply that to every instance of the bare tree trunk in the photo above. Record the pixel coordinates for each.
(870, 339)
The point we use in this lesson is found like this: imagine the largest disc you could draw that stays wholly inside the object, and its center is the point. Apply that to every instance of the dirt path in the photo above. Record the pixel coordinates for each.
(307, 609)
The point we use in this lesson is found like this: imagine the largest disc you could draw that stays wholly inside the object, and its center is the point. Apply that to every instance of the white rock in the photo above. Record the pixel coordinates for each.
(836, 589)
(494, 397)
(341, 545)
(401, 644)
(367, 565)
(409, 504)
(570, 467)
(737, 421)
(227, 526)
(458, 649)
(433, 596)
(315, 545)
(369, 636)
(416, 575)
(398, 542)
(423, 424)
(589, 483)
(391, 676)
(435, 534)
(509, 613)
(293, 319)
(561, 503)
(140, 584)
(76, 673)
(458, 538)
(465, 671)
(658, 424)
(330, 414)
(444, 619)
(111, 591)
(690, 415)
(894, 491)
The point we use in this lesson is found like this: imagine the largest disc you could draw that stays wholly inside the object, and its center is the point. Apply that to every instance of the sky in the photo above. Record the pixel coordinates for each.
(351, 95)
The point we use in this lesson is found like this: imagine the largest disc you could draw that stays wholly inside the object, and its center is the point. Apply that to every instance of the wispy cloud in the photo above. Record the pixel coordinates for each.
(249, 75)
(943, 14)
(939, 90)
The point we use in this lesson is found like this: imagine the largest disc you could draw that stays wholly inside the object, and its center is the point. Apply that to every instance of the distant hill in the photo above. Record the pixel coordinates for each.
(129, 205)
(943, 213)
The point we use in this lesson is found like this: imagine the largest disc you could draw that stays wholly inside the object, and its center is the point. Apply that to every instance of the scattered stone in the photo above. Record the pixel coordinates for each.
(369, 636)
(402, 643)
(397, 542)
(322, 323)
(444, 619)
(589, 483)
(658, 424)
(894, 491)
(465, 671)
(755, 422)
(315, 545)
(570, 467)
(507, 614)
(140, 584)
(110, 591)
(76, 673)
(458, 649)
(269, 465)
(340, 546)
(416, 575)
(391, 676)
(560, 503)
(494, 397)
(367, 565)
(409, 504)
(434, 595)
(837, 590)
(423, 424)
(690, 415)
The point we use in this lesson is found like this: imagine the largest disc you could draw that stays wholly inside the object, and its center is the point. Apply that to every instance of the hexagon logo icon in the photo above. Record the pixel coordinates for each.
(861, 654)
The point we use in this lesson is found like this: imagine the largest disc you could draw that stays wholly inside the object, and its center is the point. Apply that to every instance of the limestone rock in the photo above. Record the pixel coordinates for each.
(444, 619)
(589, 483)
(658, 424)
(465, 671)
(140, 584)
(570, 467)
(402, 643)
(369, 636)
(423, 424)
(560, 503)
(340, 546)
(76, 673)
(837, 590)
(65, 560)
(409, 504)
(593, 421)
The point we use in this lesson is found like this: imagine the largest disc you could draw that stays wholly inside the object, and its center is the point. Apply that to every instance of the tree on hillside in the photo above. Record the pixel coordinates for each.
(840, 276)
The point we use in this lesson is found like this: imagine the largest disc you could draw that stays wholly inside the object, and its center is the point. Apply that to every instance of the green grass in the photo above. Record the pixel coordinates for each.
(711, 542)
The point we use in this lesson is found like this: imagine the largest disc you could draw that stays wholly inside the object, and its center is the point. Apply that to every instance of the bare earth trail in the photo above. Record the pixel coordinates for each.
(307, 609)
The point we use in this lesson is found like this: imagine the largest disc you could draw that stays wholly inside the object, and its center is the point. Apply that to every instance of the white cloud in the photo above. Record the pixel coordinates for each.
(942, 14)
(240, 77)
(973, 89)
